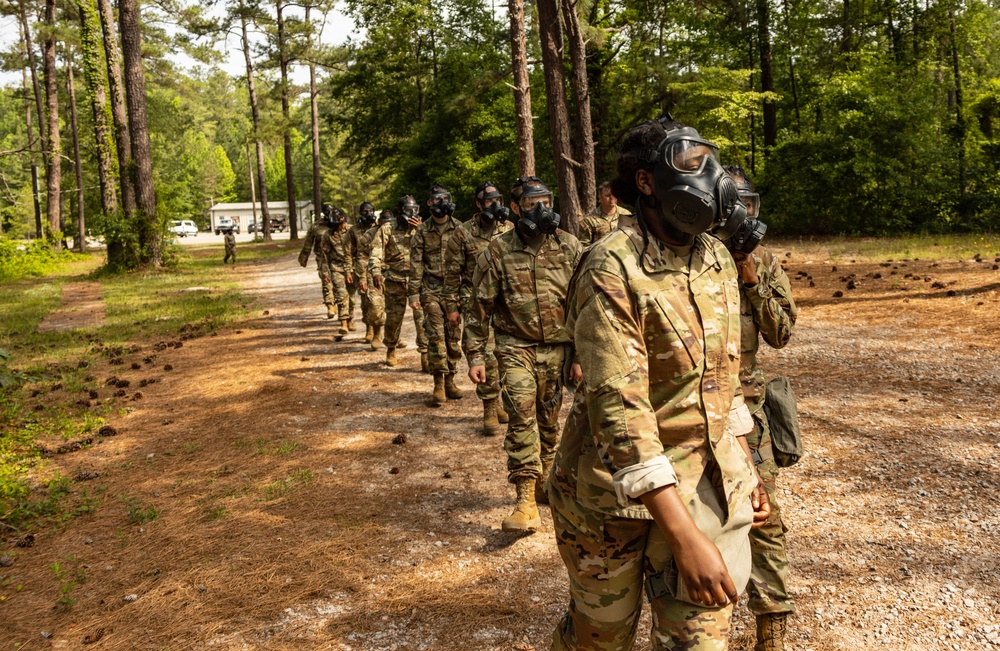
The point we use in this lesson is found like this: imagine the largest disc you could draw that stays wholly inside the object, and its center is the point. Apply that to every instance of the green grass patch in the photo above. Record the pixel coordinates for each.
(923, 247)
(280, 488)
(139, 513)
(24, 258)
(70, 572)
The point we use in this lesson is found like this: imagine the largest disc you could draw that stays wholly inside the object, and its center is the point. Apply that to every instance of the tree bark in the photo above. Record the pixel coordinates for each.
(35, 85)
(150, 234)
(791, 69)
(93, 73)
(770, 108)
(314, 106)
(119, 115)
(550, 33)
(81, 243)
(293, 226)
(959, 106)
(522, 90)
(255, 115)
(581, 96)
(53, 158)
(31, 146)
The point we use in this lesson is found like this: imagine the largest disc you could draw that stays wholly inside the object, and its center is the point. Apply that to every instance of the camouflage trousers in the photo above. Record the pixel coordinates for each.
(230, 254)
(326, 282)
(609, 560)
(531, 389)
(338, 284)
(444, 340)
(372, 305)
(351, 288)
(768, 589)
(395, 298)
(489, 390)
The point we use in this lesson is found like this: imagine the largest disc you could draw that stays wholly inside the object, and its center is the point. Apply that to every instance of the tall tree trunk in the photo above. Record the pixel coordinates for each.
(255, 115)
(150, 234)
(119, 115)
(81, 242)
(253, 192)
(847, 30)
(581, 96)
(94, 75)
(522, 90)
(53, 155)
(31, 145)
(791, 69)
(293, 222)
(550, 32)
(35, 85)
(959, 106)
(767, 74)
(314, 107)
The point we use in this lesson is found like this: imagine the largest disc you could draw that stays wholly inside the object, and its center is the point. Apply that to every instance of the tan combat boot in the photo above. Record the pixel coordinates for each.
(368, 334)
(771, 632)
(425, 363)
(331, 311)
(491, 426)
(439, 397)
(541, 496)
(350, 325)
(343, 330)
(501, 414)
(376, 341)
(453, 392)
(390, 357)
(525, 515)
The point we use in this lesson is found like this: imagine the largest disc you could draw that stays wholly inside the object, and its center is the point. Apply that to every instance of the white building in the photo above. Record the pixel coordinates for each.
(242, 213)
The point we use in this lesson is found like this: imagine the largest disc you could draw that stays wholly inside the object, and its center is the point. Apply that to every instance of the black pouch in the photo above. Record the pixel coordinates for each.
(783, 420)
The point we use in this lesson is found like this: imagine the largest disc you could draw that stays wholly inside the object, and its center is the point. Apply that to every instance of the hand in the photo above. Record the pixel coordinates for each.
(350, 278)
(302, 262)
(415, 304)
(379, 282)
(746, 266)
(761, 505)
(704, 573)
(477, 374)
(363, 286)
(454, 318)
(575, 373)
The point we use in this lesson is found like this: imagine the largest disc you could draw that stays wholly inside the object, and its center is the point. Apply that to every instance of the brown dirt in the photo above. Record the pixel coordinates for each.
(81, 306)
(267, 453)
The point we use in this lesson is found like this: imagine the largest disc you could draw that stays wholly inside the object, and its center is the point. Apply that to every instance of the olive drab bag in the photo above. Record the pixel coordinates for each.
(783, 419)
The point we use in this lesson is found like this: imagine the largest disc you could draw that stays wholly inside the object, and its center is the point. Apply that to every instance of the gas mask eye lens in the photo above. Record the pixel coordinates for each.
(690, 155)
(528, 203)
(752, 201)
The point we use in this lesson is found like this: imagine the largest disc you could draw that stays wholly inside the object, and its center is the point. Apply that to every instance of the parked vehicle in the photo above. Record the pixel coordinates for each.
(226, 224)
(182, 227)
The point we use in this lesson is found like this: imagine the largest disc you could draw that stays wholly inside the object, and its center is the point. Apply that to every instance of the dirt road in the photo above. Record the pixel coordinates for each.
(255, 498)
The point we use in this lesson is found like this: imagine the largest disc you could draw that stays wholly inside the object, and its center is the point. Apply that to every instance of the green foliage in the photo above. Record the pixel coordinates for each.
(9, 378)
(22, 259)
(139, 513)
(70, 573)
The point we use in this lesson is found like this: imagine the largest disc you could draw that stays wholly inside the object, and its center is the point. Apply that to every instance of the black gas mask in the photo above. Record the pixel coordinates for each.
(748, 236)
(407, 209)
(333, 216)
(537, 216)
(385, 217)
(439, 201)
(491, 208)
(366, 214)
(693, 193)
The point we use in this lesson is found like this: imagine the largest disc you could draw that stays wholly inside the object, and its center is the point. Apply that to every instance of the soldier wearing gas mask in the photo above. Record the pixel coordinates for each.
(464, 247)
(520, 288)
(427, 293)
(767, 311)
(360, 244)
(318, 242)
(389, 265)
(653, 480)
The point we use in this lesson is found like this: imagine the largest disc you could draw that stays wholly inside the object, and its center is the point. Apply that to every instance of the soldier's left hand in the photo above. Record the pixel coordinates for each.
(761, 506)
(350, 278)
(363, 287)
(477, 374)
(575, 373)
(454, 318)
(746, 266)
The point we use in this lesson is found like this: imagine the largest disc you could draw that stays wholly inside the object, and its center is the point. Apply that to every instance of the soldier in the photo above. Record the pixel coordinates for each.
(653, 486)
(333, 249)
(230, 241)
(767, 310)
(313, 244)
(360, 249)
(427, 293)
(604, 218)
(374, 312)
(520, 288)
(389, 265)
(460, 257)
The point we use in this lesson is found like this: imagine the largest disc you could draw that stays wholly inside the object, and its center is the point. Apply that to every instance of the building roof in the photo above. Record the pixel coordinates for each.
(272, 205)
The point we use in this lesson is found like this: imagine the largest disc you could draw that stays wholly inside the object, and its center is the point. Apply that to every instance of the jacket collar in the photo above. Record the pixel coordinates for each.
(658, 257)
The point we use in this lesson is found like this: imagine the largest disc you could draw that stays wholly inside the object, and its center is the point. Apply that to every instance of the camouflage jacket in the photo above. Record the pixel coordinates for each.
(427, 256)
(521, 293)
(313, 242)
(230, 240)
(359, 238)
(337, 250)
(657, 335)
(596, 224)
(766, 308)
(390, 252)
(460, 256)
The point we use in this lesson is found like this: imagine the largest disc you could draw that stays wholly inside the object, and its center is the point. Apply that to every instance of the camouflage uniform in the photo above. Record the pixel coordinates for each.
(337, 253)
(313, 244)
(390, 258)
(372, 304)
(522, 293)
(460, 257)
(427, 284)
(657, 335)
(596, 224)
(230, 241)
(766, 308)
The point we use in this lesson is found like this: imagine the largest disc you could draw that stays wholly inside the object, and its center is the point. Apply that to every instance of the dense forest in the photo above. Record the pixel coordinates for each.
(855, 116)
